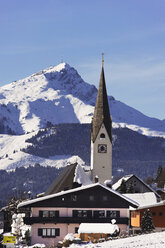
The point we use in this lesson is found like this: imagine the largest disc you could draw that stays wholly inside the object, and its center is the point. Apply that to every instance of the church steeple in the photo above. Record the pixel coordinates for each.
(101, 135)
(101, 112)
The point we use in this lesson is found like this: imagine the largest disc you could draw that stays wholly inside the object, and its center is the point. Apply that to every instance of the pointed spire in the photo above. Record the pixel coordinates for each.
(101, 112)
(102, 59)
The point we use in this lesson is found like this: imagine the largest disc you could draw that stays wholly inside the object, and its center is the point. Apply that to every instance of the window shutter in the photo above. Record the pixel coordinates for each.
(89, 213)
(57, 231)
(56, 214)
(74, 213)
(117, 214)
(39, 231)
(40, 213)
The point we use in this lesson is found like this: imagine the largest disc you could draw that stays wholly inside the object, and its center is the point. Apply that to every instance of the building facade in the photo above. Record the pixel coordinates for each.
(54, 216)
(157, 211)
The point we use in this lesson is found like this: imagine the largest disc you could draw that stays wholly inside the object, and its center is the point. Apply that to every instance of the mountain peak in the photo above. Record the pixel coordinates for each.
(54, 69)
(58, 68)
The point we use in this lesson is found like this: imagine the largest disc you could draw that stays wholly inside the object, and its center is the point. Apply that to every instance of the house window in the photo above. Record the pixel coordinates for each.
(45, 213)
(44, 232)
(76, 229)
(82, 213)
(102, 136)
(48, 214)
(113, 214)
(74, 197)
(99, 214)
(153, 214)
(91, 197)
(105, 197)
(133, 214)
(160, 213)
(48, 232)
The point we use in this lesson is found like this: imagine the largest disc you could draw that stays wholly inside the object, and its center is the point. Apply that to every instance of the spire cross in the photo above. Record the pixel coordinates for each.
(102, 59)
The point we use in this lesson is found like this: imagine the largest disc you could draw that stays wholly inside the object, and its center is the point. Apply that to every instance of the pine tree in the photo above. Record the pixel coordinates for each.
(159, 171)
(123, 187)
(146, 222)
(130, 188)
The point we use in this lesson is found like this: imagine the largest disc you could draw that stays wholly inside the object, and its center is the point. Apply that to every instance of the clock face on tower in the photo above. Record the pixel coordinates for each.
(102, 148)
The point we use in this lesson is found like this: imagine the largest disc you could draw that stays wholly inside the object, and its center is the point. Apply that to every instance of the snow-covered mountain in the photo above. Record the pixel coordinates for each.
(59, 95)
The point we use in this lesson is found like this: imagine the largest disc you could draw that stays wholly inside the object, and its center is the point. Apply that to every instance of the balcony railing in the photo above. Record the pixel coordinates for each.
(44, 220)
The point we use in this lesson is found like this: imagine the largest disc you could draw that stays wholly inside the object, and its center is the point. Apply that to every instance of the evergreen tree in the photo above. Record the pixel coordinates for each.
(146, 222)
(130, 188)
(123, 187)
(159, 171)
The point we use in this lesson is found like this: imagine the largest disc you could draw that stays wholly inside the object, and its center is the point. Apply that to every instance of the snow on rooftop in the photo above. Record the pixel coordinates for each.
(81, 177)
(116, 185)
(98, 228)
(143, 199)
(161, 203)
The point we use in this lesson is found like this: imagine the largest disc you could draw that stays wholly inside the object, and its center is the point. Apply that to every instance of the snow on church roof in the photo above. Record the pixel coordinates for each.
(29, 202)
(81, 177)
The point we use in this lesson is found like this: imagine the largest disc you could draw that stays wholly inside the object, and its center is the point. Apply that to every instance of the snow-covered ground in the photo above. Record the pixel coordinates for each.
(153, 240)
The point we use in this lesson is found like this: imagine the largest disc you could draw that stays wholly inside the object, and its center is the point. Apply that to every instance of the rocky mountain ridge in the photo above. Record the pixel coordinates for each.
(59, 95)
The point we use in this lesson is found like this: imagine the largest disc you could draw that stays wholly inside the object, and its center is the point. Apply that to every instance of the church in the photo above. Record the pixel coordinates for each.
(78, 196)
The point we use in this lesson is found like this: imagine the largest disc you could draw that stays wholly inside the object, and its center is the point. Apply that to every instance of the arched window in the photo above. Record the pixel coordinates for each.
(102, 136)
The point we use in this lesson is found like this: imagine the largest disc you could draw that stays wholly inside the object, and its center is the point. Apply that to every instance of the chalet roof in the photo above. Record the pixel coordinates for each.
(101, 112)
(29, 202)
(158, 204)
(127, 177)
(116, 185)
(143, 199)
(71, 174)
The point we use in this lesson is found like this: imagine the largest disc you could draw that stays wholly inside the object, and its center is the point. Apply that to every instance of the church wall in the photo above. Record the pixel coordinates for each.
(101, 163)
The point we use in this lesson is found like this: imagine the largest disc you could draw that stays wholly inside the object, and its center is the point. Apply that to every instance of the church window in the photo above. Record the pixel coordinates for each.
(102, 136)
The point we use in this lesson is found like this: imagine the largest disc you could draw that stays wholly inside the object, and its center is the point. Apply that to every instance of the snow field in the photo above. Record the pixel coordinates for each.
(153, 240)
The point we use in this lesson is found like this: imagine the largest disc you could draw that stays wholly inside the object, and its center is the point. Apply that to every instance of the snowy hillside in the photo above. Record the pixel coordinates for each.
(11, 156)
(153, 240)
(59, 95)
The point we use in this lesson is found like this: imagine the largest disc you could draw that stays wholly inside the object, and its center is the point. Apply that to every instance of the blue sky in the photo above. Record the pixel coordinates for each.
(36, 34)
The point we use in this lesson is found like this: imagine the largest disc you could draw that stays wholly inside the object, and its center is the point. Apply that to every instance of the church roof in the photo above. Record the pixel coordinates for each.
(101, 112)
(71, 176)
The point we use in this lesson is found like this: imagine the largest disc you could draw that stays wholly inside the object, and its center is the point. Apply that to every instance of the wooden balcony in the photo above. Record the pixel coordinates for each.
(68, 220)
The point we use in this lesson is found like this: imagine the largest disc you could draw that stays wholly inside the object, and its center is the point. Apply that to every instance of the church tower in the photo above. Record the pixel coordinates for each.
(101, 135)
